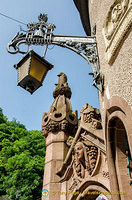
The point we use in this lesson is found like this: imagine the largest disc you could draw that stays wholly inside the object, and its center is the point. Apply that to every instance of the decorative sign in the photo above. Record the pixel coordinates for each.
(45, 193)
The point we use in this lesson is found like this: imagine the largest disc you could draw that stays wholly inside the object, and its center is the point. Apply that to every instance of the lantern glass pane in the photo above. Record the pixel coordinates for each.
(23, 69)
(37, 69)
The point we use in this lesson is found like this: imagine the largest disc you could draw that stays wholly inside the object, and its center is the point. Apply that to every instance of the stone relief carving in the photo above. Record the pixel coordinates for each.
(60, 116)
(62, 87)
(114, 16)
(105, 174)
(91, 116)
(116, 25)
(85, 158)
(74, 183)
(69, 141)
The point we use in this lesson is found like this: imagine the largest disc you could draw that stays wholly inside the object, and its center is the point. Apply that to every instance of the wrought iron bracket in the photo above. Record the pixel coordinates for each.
(41, 33)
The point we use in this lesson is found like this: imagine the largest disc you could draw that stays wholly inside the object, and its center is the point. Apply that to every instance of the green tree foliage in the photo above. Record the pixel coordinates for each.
(22, 156)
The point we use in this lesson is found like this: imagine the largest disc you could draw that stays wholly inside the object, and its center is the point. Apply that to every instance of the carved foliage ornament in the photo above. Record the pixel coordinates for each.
(85, 159)
(59, 121)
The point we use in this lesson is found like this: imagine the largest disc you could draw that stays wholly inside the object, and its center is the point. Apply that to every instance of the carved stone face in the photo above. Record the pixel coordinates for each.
(64, 125)
(79, 151)
(87, 117)
(92, 156)
(116, 12)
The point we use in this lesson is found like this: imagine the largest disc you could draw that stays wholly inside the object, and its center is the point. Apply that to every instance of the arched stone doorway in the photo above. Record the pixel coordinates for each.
(118, 134)
(92, 191)
(91, 196)
(94, 195)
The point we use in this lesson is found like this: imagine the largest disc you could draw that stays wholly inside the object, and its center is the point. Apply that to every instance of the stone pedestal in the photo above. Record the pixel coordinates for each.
(56, 149)
(57, 125)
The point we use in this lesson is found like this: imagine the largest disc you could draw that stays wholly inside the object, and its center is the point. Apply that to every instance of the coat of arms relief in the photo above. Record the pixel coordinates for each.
(86, 154)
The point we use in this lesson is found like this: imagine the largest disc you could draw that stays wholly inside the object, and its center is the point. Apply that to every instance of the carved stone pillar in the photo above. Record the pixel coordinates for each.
(57, 125)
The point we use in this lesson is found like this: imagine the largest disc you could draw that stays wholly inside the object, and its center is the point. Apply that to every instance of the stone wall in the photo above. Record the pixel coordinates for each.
(115, 53)
(113, 21)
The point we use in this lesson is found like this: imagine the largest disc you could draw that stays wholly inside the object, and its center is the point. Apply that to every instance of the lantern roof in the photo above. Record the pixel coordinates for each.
(32, 53)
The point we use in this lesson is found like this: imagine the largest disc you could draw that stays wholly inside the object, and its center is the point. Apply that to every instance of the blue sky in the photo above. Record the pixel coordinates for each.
(15, 101)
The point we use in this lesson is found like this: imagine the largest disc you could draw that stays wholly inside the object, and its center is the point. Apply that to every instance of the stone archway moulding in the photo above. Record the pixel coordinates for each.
(118, 107)
(88, 186)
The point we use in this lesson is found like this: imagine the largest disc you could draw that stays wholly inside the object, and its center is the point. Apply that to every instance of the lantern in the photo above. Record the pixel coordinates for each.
(32, 70)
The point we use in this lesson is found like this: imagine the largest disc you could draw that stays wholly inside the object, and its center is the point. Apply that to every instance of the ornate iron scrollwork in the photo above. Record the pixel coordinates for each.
(41, 33)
